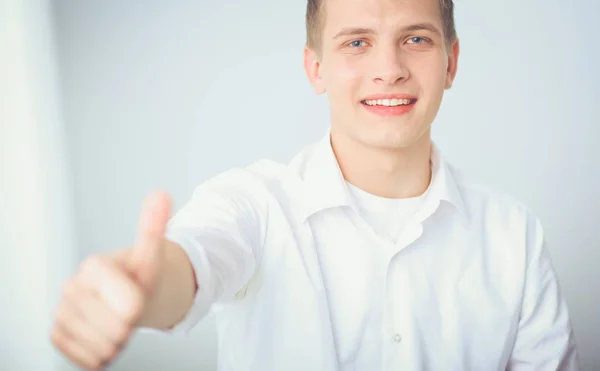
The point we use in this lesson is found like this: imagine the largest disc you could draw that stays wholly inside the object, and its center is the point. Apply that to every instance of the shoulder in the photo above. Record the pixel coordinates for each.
(250, 184)
(510, 231)
(492, 205)
(258, 185)
(262, 177)
(258, 173)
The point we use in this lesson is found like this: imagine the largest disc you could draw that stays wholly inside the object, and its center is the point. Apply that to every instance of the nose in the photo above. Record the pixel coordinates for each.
(389, 67)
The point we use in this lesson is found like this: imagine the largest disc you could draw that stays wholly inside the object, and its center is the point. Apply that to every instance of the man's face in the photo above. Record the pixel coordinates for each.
(384, 65)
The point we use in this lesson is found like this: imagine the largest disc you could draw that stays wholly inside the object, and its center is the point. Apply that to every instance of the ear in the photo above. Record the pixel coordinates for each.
(312, 67)
(452, 64)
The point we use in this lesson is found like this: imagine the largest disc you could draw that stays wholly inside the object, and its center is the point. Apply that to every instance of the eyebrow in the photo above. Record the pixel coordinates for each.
(352, 31)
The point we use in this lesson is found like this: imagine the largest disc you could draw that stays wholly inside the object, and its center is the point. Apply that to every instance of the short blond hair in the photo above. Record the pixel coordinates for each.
(315, 19)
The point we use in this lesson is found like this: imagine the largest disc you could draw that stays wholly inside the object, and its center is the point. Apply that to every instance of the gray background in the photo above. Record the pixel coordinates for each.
(167, 94)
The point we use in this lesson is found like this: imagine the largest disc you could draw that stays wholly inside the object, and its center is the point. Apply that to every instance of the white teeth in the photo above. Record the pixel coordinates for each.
(388, 102)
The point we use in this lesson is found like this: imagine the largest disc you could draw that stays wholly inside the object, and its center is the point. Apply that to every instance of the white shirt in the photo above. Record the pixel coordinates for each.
(359, 334)
(387, 217)
(297, 281)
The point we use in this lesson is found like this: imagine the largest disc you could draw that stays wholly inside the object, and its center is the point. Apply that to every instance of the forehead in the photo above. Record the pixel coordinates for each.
(379, 14)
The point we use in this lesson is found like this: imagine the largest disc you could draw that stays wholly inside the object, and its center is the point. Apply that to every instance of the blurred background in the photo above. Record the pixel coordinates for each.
(104, 101)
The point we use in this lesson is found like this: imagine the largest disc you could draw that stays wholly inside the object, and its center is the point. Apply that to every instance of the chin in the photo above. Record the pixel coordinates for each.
(392, 138)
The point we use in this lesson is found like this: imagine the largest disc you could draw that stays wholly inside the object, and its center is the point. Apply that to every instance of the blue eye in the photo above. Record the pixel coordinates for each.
(417, 40)
(356, 43)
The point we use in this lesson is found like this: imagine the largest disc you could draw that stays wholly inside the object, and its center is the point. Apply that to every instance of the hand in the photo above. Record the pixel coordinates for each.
(104, 301)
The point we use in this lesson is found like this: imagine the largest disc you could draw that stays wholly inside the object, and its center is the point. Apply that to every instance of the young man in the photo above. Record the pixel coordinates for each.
(367, 252)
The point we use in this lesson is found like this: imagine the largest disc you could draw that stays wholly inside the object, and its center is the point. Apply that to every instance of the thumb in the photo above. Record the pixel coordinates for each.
(147, 251)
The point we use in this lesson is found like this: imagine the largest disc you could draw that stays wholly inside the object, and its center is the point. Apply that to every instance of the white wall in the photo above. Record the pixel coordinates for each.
(166, 94)
(36, 233)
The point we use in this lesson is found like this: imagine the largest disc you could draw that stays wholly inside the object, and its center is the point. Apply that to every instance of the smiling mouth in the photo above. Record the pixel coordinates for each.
(389, 107)
(388, 102)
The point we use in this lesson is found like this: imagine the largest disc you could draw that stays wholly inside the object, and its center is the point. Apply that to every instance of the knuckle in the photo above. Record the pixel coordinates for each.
(61, 341)
(68, 288)
(62, 315)
(59, 315)
(56, 338)
(91, 263)
(122, 334)
(96, 364)
(110, 352)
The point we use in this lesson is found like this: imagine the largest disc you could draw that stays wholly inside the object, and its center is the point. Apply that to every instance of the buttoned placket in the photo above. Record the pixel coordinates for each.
(392, 327)
(393, 320)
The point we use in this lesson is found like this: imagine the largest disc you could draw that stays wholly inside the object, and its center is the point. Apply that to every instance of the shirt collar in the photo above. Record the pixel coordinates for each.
(442, 188)
(324, 182)
(325, 186)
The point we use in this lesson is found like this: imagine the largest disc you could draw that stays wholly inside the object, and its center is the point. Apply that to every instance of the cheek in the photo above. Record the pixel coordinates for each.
(344, 76)
(432, 78)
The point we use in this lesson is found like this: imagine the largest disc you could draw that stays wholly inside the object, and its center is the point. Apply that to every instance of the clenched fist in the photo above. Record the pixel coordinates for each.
(106, 299)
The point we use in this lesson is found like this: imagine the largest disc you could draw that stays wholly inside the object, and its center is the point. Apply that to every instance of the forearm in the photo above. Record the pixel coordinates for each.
(175, 293)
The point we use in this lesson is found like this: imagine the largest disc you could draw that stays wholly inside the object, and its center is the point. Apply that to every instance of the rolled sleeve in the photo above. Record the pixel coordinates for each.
(200, 265)
(221, 230)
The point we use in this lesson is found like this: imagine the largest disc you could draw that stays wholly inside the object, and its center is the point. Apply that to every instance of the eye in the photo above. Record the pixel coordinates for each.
(357, 43)
(417, 40)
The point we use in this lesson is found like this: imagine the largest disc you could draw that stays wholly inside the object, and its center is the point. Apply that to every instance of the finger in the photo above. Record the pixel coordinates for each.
(114, 287)
(154, 217)
(103, 320)
(72, 350)
(92, 339)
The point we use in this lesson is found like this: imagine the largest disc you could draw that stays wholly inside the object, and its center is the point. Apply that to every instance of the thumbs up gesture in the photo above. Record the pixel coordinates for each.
(105, 300)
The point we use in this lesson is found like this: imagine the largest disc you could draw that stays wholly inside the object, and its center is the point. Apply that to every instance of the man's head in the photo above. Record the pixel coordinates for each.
(315, 17)
(370, 54)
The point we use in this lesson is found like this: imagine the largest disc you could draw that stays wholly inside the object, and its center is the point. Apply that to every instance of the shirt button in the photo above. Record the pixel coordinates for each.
(397, 338)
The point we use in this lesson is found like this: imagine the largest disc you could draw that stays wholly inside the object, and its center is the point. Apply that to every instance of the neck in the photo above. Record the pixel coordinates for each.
(390, 173)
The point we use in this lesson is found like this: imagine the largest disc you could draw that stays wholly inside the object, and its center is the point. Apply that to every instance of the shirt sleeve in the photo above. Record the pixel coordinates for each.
(221, 229)
(545, 339)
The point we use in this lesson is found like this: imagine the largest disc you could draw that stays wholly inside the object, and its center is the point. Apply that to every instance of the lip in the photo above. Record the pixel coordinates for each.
(386, 111)
(389, 96)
